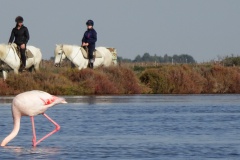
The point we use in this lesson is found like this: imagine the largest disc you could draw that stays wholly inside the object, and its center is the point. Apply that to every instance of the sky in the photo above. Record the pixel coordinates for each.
(204, 29)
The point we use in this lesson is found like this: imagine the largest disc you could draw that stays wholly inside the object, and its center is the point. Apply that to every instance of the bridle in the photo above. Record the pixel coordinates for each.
(71, 59)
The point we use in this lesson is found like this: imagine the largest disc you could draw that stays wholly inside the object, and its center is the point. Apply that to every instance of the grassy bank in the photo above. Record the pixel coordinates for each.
(192, 79)
(134, 79)
(67, 81)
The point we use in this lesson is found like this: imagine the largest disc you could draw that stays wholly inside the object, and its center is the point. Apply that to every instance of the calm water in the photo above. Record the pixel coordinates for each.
(131, 127)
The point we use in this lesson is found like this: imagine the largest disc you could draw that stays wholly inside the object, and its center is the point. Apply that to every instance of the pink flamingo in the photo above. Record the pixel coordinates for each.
(32, 103)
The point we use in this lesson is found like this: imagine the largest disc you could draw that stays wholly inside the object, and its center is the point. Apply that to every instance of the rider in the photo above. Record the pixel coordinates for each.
(20, 35)
(89, 39)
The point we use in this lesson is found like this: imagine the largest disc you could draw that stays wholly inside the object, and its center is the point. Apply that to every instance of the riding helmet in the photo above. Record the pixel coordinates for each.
(90, 23)
(19, 19)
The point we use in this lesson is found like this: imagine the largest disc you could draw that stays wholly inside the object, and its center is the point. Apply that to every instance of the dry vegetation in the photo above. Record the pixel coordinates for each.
(126, 79)
(68, 81)
(192, 79)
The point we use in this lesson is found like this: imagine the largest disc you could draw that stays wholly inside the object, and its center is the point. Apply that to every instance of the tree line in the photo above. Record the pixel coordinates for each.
(146, 57)
(231, 61)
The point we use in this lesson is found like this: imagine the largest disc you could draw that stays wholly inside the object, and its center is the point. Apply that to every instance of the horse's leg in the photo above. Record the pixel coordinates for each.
(15, 71)
(83, 66)
(72, 65)
(31, 69)
(4, 75)
(36, 66)
(80, 64)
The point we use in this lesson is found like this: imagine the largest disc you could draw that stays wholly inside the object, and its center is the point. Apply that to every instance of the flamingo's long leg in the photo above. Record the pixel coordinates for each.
(49, 134)
(34, 132)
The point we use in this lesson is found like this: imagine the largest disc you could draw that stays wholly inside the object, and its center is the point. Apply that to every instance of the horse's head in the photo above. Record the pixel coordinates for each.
(59, 55)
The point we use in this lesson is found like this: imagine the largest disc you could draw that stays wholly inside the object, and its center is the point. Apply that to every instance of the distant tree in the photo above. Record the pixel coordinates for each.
(160, 59)
(175, 58)
(138, 58)
(186, 58)
(231, 61)
(155, 58)
(120, 59)
(166, 58)
(146, 57)
(183, 58)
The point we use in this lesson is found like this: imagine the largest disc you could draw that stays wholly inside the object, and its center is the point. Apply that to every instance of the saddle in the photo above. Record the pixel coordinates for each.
(96, 53)
(16, 48)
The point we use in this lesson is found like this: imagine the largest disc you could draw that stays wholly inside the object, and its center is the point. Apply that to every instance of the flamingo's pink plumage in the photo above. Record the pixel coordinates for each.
(32, 103)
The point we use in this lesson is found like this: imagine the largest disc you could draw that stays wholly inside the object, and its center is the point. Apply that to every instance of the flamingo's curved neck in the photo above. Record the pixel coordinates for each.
(16, 127)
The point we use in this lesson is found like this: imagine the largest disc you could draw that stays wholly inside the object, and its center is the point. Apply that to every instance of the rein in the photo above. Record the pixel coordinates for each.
(75, 55)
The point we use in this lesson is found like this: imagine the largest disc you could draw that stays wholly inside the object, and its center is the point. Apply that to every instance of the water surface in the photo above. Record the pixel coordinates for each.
(175, 127)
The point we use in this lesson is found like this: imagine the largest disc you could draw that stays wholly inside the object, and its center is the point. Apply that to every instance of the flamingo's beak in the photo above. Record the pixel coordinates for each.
(64, 101)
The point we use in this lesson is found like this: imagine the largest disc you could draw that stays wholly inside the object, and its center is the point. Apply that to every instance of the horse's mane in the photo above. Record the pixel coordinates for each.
(68, 48)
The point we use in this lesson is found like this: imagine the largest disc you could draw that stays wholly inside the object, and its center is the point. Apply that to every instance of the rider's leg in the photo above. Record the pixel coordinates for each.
(23, 56)
(90, 56)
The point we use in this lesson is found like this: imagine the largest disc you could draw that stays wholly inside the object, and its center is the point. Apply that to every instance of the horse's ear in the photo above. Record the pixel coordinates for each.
(57, 45)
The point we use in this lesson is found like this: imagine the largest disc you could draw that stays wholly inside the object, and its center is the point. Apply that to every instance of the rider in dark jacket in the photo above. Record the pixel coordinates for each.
(89, 39)
(20, 35)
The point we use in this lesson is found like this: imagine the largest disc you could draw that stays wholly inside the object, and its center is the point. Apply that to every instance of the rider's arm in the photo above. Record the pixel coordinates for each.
(26, 34)
(11, 37)
(84, 40)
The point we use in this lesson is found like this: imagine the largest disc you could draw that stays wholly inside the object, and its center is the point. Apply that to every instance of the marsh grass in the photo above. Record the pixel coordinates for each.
(69, 81)
(192, 79)
(126, 79)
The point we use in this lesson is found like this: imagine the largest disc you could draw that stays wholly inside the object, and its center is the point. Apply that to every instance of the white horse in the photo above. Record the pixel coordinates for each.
(75, 55)
(9, 60)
